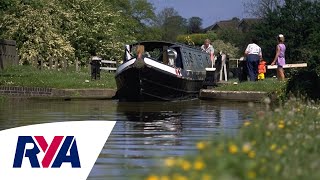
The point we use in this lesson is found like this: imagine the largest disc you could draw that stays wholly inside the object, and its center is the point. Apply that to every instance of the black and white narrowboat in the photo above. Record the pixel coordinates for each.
(165, 71)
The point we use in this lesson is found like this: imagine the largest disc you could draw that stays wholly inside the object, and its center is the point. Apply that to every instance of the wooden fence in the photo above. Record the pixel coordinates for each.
(108, 65)
(8, 54)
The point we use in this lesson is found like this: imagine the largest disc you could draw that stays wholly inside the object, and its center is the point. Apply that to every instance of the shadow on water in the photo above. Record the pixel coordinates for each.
(145, 133)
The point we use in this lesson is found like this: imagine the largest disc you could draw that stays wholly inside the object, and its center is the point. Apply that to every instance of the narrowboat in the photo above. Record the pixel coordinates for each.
(161, 71)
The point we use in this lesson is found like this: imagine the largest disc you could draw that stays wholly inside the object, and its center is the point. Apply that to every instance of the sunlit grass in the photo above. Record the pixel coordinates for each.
(267, 85)
(27, 76)
(278, 144)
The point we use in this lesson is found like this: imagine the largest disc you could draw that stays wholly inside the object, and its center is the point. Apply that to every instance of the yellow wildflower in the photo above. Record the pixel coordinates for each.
(273, 147)
(247, 123)
(201, 145)
(199, 165)
(206, 177)
(252, 154)
(185, 165)
(251, 175)
(233, 149)
(281, 124)
(169, 162)
(246, 147)
(279, 151)
(152, 177)
(164, 178)
(179, 177)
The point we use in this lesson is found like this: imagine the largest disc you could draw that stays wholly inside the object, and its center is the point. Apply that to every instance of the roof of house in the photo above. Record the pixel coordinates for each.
(249, 21)
(233, 23)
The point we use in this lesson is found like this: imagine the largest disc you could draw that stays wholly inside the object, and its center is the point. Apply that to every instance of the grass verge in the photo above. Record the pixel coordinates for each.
(267, 85)
(277, 144)
(27, 76)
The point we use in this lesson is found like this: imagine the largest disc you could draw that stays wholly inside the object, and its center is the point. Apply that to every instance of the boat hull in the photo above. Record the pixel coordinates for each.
(148, 83)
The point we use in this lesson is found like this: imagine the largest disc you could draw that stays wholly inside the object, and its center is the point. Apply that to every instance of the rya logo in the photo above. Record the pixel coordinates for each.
(63, 149)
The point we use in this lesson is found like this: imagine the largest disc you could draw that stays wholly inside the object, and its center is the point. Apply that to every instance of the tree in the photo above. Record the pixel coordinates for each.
(235, 37)
(173, 26)
(194, 25)
(66, 29)
(259, 8)
(139, 16)
(298, 21)
(36, 33)
(164, 15)
(170, 24)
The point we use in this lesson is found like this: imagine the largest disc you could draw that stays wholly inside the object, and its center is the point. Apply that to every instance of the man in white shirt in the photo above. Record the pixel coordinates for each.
(208, 48)
(254, 54)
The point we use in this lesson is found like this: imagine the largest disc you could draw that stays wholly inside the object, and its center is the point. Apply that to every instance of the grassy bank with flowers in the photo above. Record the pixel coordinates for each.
(28, 76)
(278, 144)
(269, 85)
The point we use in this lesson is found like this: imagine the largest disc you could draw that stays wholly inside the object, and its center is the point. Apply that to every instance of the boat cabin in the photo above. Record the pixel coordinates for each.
(172, 54)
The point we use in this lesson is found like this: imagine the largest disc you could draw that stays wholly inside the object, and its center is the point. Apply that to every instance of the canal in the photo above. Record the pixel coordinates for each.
(145, 133)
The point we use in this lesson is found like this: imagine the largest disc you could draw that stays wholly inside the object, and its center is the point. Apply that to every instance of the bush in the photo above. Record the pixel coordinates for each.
(196, 39)
(306, 83)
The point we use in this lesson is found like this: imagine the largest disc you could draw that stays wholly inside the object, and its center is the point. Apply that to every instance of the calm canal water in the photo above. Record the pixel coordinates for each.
(145, 133)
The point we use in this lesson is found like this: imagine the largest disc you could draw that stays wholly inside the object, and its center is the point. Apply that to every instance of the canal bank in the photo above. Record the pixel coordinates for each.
(53, 93)
(212, 94)
(86, 93)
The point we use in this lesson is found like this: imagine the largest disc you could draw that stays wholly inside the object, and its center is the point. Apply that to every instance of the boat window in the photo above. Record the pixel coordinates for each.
(155, 53)
(172, 56)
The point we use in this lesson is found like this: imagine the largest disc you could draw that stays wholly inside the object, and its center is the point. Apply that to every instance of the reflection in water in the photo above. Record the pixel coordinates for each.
(148, 132)
(145, 133)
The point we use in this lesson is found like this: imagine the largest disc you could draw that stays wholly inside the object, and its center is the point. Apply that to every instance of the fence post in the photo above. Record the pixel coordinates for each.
(77, 64)
(1, 61)
(50, 62)
(64, 64)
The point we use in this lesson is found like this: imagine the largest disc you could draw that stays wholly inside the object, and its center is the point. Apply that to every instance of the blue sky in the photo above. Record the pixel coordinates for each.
(209, 10)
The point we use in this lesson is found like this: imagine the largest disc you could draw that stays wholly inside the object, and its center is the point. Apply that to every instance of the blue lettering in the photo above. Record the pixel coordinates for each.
(22, 152)
(62, 155)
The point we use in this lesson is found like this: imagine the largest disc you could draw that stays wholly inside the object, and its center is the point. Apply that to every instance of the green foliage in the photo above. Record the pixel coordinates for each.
(28, 76)
(277, 144)
(194, 25)
(270, 85)
(226, 48)
(170, 24)
(196, 39)
(173, 26)
(3, 99)
(305, 83)
(36, 34)
(74, 28)
(235, 37)
(298, 21)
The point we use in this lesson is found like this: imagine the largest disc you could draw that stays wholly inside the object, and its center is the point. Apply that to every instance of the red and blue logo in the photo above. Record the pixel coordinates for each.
(62, 149)
(48, 151)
